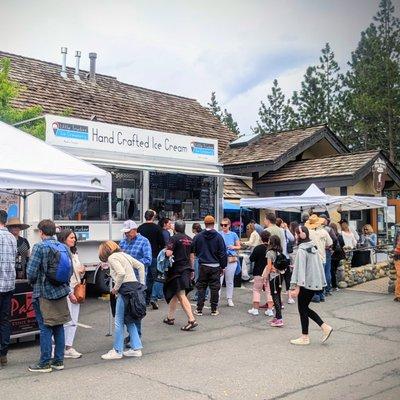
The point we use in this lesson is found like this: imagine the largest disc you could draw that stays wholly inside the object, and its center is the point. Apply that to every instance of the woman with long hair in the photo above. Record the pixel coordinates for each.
(254, 240)
(232, 244)
(338, 254)
(308, 278)
(123, 275)
(68, 237)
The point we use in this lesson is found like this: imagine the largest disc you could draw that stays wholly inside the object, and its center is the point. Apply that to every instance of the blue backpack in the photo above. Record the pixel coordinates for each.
(59, 265)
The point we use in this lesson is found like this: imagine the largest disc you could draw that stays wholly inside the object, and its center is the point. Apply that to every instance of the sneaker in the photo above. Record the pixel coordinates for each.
(301, 341)
(214, 313)
(277, 324)
(327, 334)
(154, 304)
(198, 312)
(337, 289)
(132, 353)
(230, 303)
(40, 368)
(72, 353)
(57, 365)
(112, 355)
(316, 299)
(291, 301)
(253, 311)
(269, 312)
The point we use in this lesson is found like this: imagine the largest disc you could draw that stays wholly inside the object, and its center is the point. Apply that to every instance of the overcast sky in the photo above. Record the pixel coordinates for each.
(191, 47)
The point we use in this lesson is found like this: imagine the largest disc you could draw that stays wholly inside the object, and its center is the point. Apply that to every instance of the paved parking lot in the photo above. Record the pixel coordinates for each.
(233, 356)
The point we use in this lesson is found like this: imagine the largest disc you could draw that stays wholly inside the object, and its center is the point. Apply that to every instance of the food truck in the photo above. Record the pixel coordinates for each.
(176, 175)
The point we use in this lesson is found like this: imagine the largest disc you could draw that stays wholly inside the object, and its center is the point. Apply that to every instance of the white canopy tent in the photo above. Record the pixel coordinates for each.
(314, 198)
(29, 165)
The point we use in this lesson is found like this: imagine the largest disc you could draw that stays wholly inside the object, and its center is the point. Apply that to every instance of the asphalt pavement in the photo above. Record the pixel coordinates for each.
(232, 356)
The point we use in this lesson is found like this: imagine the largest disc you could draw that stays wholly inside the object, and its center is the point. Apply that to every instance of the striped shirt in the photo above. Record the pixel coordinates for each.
(8, 253)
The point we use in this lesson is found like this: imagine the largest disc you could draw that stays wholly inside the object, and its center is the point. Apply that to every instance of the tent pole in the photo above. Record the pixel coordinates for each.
(240, 226)
(110, 319)
(386, 225)
(25, 217)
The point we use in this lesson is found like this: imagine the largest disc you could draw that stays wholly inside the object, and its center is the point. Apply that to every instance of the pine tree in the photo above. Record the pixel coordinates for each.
(230, 123)
(214, 107)
(277, 114)
(373, 84)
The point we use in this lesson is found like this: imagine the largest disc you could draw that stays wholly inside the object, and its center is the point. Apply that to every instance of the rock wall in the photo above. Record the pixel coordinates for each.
(392, 276)
(347, 276)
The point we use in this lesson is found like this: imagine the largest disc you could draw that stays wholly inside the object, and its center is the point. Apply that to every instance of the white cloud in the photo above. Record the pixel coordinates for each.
(190, 48)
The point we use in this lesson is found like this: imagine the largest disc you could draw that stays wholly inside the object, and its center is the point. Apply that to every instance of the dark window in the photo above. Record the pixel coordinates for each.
(126, 199)
(343, 190)
(189, 197)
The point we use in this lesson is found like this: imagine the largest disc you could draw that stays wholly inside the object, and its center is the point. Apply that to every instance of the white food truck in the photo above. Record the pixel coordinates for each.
(176, 175)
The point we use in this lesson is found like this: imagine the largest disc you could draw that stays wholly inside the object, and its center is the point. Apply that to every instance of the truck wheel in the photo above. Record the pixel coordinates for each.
(103, 280)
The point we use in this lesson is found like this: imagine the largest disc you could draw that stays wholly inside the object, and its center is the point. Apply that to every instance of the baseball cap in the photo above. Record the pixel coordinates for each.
(209, 220)
(128, 226)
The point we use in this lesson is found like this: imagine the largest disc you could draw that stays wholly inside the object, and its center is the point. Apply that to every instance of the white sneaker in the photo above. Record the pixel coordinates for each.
(72, 353)
(132, 353)
(253, 311)
(269, 313)
(112, 355)
(230, 303)
(291, 301)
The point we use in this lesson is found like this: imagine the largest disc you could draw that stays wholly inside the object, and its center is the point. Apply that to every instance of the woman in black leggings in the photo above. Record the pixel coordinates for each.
(308, 277)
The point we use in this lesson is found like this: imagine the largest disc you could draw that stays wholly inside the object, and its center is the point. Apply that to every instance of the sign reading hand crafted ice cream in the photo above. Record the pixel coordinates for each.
(74, 132)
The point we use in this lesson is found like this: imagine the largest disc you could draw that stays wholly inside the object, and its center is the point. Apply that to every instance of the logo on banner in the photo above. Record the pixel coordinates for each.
(202, 148)
(379, 174)
(70, 131)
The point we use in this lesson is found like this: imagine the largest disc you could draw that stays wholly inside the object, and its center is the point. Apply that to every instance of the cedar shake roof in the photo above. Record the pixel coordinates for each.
(333, 166)
(235, 189)
(269, 147)
(111, 101)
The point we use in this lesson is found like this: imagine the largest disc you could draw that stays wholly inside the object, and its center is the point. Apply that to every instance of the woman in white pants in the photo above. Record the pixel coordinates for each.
(232, 243)
(69, 238)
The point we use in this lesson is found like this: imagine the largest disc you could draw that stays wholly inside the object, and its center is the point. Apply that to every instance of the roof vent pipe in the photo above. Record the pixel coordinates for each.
(63, 72)
(77, 60)
(92, 73)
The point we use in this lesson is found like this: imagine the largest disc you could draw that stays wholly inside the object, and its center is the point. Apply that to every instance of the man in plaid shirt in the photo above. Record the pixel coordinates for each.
(42, 288)
(8, 253)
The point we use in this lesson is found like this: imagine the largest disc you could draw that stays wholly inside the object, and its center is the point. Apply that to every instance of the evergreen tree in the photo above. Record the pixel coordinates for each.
(277, 114)
(230, 123)
(373, 84)
(214, 107)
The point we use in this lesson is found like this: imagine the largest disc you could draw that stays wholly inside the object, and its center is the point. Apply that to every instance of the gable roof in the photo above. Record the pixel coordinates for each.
(341, 165)
(235, 189)
(275, 150)
(111, 101)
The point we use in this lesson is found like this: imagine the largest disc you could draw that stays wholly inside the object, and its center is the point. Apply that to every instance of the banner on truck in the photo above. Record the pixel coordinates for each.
(80, 133)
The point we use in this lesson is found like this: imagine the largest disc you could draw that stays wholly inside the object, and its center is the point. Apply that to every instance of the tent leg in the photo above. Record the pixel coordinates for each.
(240, 226)
(25, 217)
(110, 319)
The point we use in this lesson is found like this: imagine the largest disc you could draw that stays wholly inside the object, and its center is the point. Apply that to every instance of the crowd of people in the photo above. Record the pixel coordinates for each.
(160, 261)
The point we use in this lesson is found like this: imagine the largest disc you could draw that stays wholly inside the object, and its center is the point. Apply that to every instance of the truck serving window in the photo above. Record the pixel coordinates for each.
(126, 199)
(189, 197)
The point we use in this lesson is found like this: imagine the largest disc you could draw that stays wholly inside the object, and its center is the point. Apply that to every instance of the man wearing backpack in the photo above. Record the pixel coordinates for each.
(49, 271)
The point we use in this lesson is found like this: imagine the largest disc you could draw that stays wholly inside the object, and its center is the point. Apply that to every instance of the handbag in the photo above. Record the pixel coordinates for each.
(80, 290)
(54, 312)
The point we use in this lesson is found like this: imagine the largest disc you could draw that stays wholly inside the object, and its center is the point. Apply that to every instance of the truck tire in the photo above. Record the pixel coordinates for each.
(103, 281)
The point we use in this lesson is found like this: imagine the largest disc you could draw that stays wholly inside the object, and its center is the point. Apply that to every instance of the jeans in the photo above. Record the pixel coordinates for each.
(135, 341)
(157, 293)
(5, 324)
(151, 274)
(208, 277)
(229, 275)
(327, 268)
(303, 301)
(46, 333)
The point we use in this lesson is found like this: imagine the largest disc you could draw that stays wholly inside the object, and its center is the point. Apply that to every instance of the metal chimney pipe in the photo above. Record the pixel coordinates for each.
(63, 72)
(92, 73)
(77, 60)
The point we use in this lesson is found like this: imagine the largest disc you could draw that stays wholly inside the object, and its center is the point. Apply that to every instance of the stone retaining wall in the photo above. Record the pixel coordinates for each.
(347, 276)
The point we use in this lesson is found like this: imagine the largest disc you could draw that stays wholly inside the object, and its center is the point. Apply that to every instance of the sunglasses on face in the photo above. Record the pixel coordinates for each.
(224, 225)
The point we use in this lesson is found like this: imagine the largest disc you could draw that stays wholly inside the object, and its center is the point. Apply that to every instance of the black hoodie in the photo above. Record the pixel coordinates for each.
(209, 247)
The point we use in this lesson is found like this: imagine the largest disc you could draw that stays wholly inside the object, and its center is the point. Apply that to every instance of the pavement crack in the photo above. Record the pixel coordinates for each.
(169, 385)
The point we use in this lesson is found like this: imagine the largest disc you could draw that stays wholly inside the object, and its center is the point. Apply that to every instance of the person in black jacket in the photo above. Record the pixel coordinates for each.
(209, 247)
(337, 255)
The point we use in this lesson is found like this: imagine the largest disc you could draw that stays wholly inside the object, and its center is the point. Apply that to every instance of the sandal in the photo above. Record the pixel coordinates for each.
(169, 321)
(190, 326)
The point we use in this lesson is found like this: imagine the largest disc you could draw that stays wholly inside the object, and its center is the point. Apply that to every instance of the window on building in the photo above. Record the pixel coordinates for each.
(343, 190)
(178, 196)
(126, 200)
